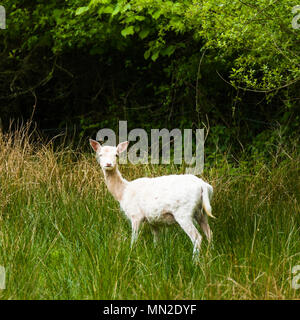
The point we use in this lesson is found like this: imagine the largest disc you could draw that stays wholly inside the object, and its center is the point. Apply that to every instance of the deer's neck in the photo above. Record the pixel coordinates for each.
(115, 183)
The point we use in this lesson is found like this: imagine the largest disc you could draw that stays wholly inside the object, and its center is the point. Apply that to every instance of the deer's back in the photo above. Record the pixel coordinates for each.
(159, 199)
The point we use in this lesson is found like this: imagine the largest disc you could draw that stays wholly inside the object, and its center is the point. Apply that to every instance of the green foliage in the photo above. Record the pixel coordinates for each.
(189, 60)
(263, 28)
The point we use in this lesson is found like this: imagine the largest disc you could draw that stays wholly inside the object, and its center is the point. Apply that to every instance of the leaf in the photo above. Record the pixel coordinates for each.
(108, 9)
(116, 10)
(156, 15)
(127, 7)
(127, 31)
(81, 10)
(147, 54)
(168, 51)
(139, 18)
(57, 15)
(144, 33)
(129, 19)
(155, 55)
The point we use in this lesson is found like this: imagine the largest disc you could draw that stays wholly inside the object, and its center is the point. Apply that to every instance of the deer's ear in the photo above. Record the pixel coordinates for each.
(95, 145)
(122, 147)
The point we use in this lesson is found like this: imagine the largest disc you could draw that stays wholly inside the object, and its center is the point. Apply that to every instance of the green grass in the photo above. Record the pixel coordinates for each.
(62, 236)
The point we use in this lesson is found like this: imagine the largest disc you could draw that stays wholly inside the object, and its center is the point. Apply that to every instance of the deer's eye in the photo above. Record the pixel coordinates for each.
(117, 155)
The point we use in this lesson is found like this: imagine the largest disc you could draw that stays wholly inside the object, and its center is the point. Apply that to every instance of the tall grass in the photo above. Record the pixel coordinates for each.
(62, 235)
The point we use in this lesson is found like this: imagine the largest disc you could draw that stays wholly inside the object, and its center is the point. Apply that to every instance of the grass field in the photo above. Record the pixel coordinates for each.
(62, 235)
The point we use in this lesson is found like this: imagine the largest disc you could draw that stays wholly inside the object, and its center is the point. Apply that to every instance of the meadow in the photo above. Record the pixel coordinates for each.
(63, 236)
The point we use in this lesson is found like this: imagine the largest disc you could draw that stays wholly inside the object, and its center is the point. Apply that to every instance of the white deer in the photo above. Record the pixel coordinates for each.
(166, 199)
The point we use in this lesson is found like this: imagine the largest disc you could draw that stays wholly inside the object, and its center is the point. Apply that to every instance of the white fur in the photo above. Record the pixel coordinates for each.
(160, 200)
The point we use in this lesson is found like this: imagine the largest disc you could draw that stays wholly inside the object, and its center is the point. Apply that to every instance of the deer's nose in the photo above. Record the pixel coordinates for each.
(108, 164)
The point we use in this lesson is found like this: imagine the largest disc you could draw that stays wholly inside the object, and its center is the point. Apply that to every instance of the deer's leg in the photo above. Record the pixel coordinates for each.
(188, 226)
(155, 232)
(203, 222)
(205, 227)
(135, 225)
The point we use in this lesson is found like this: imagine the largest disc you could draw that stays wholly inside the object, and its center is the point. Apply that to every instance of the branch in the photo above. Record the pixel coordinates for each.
(199, 66)
(260, 91)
